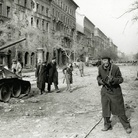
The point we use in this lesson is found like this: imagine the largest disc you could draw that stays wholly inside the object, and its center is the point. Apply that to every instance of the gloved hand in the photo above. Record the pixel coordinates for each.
(110, 79)
(113, 80)
(100, 82)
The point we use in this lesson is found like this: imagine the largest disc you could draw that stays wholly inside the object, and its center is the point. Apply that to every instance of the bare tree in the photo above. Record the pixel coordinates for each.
(109, 52)
(134, 9)
(56, 41)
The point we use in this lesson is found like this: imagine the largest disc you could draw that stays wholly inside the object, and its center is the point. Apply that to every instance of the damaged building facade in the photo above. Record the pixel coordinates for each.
(52, 28)
(38, 21)
(63, 27)
(25, 18)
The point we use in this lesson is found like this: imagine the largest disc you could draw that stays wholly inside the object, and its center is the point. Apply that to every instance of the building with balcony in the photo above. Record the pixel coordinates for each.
(63, 26)
(30, 19)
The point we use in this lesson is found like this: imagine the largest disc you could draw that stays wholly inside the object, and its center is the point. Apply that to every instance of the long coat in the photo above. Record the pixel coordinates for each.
(52, 73)
(111, 97)
(68, 74)
(42, 76)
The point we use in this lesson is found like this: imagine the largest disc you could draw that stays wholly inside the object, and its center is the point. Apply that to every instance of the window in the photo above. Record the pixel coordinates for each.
(47, 11)
(63, 6)
(0, 8)
(42, 9)
(8, 11)
(18, 1)
(43, 24)
(25, 3)
(58, 2)
(37, 23)
(58, 14)
(37, 7)
(68, 21)
(53, 11)
(64, 18)
(47, 26)
(32, 22)
(32, 4)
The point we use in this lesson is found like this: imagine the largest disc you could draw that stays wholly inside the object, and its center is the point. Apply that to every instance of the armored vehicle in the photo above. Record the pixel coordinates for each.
(12, 85)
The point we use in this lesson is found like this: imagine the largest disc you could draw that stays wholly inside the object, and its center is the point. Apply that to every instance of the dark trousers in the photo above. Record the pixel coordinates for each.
(56, 86)
(123, 119)
(49, 87)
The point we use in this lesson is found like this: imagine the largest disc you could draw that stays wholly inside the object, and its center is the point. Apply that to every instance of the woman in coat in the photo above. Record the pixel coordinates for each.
(67, 71)
(42, 76)
(53, 75)
(109, 76)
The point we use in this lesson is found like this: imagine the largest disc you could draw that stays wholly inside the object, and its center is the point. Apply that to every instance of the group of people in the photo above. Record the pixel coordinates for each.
(47, 73)
(109, 77)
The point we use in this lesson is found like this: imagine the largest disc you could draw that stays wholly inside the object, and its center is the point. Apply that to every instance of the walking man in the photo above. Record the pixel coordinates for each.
(67, 71)
(53, 75)
(17, 67)
(109, 76)
(42, 76)
(81, 68)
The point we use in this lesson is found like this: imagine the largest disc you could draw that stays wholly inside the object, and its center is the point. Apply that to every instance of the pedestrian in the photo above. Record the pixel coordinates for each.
(67, 71)
(109, 76)
(53, 75)
(16, 67)
(81, 68)
(14, 64)
(42, 76)
(19, 69)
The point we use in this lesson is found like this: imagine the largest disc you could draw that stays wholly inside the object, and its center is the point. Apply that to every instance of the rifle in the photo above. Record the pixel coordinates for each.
(107, 86)
(107, 80)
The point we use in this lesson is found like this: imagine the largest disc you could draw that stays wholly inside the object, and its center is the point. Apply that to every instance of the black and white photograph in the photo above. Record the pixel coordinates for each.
(68, 68)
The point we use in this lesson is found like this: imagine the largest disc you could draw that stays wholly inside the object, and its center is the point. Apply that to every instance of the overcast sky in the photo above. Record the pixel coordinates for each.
(104, 14)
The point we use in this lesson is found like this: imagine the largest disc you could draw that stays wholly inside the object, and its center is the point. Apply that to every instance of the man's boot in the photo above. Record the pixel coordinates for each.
(107, 124)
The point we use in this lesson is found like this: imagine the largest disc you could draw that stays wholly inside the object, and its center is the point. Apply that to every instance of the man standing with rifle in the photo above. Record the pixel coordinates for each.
(109, 76)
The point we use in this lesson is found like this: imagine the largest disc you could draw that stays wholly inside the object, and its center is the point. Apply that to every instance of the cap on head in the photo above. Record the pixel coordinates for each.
(106, 57)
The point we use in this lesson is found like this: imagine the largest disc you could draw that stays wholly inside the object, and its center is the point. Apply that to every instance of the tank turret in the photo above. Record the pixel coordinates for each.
(12, 85)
